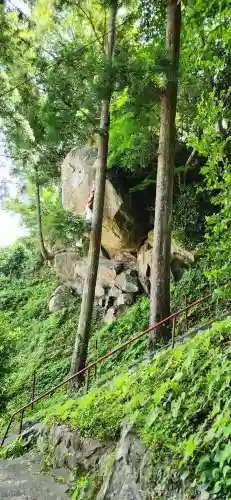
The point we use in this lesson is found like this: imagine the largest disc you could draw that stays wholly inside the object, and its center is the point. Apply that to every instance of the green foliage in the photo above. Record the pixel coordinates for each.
(180, 406)
(216, 172)
(6, 349)
(57, 224)
(85, 486)
(13, 261)
(12, 450)
(193, 285)
(32, 338)
(188, 217)
(111, 336)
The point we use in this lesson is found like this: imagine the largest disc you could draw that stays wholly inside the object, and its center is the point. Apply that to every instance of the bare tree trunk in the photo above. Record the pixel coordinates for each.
(42, 247)
(161, 256)
(81, 344)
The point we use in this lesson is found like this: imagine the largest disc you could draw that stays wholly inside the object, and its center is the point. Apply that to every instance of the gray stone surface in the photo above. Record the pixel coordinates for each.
(68, 449)
(123, 480)
(127, 281)
(180, 258)
(125, 299)
(114, 292)
(72, 269)
(60, 298)
(20, 479)
(110, 315)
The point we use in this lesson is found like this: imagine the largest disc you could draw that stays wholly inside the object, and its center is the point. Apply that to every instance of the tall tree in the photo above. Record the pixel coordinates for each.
(45, 254)
(81, 343)
(160, 277)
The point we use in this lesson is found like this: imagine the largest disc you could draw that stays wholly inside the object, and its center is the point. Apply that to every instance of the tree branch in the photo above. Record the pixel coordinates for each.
(190, 158)
(88, 16)
(89, 118)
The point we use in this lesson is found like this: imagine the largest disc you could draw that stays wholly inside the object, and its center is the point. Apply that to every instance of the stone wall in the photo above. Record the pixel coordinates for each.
(120, 471)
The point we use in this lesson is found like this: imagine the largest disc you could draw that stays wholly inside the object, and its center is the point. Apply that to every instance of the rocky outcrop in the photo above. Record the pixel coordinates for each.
(72, 269)
(126, 251)
(123, 481)
(119, 279)
(121, 231)
(117, 283)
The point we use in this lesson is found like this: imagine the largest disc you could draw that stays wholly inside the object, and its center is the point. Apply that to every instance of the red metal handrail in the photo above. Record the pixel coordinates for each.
(173, 316)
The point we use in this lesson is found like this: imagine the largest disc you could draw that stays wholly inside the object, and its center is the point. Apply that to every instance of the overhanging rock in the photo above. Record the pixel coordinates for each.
(122, 231)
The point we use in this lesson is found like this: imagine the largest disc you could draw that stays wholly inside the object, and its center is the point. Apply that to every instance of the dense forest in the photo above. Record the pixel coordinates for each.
(115, 120)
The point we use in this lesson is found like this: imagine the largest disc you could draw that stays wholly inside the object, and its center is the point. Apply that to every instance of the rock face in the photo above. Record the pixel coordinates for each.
(71, 268)
(120, 232)
(126, 239)
(68, 449)
(127, 281)
(120, 481)
(123, 482)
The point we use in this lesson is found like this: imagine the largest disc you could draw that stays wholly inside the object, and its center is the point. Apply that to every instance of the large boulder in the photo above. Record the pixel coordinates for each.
(68, 448)
(180, 258)
(118, 471)
(121, 231)
(127, 281)
(117, 285)
(60, 298)
(144, 260)
(71, 268)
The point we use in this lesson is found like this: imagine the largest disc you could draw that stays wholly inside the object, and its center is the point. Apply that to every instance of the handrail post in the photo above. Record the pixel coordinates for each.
(173, 331)
(87, 379)
(21, 422)
(33, 388)
(186, 312)
(96, 352)
(7, 430)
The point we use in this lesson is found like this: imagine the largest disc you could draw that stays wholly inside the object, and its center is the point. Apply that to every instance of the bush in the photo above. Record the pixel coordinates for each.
(189, 211)
(13, 261)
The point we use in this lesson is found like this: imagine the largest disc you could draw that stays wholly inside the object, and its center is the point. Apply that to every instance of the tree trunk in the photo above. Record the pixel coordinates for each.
(161, 256)
(81, 344)
(42, 247)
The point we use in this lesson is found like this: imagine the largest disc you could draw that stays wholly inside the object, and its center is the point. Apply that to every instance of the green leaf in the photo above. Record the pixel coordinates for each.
(223, 455)
(226, 470)
(160, 392)
(190, 447)
(217, 487)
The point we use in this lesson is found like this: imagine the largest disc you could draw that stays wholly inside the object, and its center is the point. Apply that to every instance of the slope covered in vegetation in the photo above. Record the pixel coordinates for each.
(180, 407)
(32, 338)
